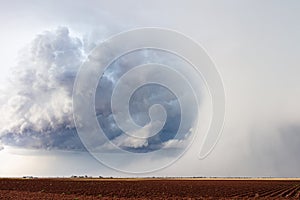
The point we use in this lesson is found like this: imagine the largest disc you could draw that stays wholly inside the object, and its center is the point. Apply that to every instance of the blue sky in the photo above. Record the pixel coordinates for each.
(254, 45)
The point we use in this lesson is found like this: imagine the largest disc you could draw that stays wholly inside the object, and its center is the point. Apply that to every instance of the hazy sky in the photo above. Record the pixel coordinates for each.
(254, 44)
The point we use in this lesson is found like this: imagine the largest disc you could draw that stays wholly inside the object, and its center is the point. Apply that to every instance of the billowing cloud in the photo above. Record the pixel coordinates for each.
(37, 108)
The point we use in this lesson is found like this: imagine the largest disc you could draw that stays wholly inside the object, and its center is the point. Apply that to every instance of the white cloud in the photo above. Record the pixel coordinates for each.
(38, 98)
(140, 138)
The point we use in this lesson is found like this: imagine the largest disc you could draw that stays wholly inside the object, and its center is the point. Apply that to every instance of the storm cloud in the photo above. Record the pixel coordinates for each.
(37, 108)
(256, 55)
(38, 102)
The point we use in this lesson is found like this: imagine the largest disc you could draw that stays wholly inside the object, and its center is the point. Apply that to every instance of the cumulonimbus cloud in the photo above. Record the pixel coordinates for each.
(37, 108)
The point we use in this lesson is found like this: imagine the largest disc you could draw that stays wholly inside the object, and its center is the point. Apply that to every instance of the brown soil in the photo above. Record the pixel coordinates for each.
(148, 189)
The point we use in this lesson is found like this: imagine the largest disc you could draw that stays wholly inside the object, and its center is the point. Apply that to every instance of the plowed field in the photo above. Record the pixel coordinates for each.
(148, 189)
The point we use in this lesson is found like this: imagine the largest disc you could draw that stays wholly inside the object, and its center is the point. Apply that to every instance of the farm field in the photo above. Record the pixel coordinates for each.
(68, 188)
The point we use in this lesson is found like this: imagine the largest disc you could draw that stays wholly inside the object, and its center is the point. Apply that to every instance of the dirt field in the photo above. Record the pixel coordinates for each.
(148, 189)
